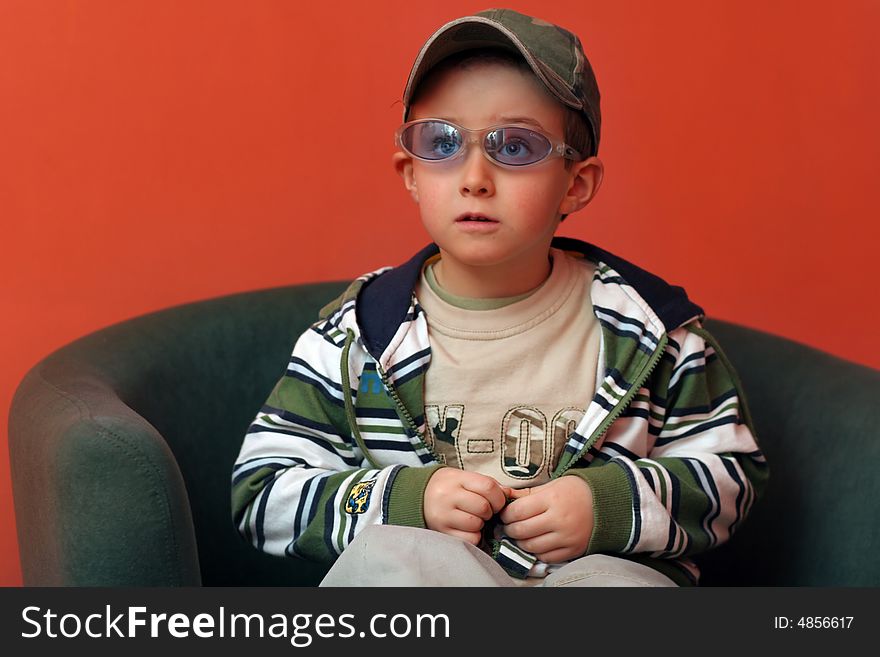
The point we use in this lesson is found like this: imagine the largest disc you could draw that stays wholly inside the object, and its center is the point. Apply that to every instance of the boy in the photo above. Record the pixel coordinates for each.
(504, 392)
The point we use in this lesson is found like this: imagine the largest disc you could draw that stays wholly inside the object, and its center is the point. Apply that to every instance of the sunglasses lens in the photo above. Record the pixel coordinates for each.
(517, 146)
(432, 140)
(436, 141)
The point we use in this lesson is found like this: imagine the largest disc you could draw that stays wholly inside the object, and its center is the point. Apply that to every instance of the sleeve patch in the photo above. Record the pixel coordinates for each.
(359, 498)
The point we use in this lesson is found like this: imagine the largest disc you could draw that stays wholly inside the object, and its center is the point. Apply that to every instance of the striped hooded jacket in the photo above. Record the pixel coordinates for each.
(666, 444)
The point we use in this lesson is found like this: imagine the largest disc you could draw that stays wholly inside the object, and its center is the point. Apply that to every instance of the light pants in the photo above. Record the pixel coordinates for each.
(389, 555)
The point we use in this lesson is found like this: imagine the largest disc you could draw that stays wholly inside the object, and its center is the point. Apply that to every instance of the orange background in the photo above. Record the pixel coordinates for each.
(156, 152)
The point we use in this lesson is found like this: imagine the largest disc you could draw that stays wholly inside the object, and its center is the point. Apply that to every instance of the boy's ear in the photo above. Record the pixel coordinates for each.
(585, 180)
(403, 164)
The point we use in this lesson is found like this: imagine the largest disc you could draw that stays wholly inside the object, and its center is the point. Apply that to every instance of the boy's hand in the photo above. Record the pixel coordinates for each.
(553, 521)
(459, 503)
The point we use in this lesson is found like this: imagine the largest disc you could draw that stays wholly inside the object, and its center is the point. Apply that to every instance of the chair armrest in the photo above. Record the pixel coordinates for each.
(99, 497)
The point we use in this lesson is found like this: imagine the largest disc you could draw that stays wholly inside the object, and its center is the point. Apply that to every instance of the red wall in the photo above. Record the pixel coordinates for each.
(154, 152)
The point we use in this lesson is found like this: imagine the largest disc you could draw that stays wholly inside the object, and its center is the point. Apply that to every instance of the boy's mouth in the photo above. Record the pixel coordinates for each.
(476, 218)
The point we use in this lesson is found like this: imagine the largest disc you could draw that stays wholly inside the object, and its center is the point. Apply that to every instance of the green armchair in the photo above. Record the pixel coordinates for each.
(122, 444)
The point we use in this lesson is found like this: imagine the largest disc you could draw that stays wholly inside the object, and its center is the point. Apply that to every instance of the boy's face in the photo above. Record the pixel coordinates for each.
(523, 206)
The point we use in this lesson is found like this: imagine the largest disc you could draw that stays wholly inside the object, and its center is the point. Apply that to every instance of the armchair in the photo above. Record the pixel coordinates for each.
(122, 444)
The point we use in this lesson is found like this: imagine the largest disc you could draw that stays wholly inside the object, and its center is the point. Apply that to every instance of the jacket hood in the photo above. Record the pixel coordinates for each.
(384, 301)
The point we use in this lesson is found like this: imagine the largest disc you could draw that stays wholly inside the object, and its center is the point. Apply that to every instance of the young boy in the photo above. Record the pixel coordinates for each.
(507, 407)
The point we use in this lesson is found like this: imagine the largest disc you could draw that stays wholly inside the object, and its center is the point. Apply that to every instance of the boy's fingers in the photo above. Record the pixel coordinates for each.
(497, 499)
(540, 544)
(478, 483)
(524, 507)
(524, 529)
(475, 504)
(487, 488)
(464, 521)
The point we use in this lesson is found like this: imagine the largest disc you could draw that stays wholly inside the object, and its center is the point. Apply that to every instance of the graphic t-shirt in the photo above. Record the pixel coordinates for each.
(507, 385)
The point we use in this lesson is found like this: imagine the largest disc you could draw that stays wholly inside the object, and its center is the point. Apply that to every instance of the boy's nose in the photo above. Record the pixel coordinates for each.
(477, 173)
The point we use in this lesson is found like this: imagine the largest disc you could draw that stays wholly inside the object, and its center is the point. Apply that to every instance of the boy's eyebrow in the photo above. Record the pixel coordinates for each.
(502, 120)
(520, 119)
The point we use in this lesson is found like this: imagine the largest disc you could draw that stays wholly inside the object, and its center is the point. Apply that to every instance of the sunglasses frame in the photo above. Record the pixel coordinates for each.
(469, 137)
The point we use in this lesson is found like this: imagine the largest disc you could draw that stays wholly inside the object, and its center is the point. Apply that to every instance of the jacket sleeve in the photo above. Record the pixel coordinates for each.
(302, 486)
(693, 481)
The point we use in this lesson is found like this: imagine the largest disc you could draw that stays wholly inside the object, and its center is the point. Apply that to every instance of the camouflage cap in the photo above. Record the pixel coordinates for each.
(553, 53)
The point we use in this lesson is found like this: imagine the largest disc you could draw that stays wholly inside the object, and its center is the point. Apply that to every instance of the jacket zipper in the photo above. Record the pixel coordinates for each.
(621, 405)
(403, 412)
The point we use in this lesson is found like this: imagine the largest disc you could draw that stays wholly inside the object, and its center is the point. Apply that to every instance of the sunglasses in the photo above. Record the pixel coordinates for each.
(513, 146)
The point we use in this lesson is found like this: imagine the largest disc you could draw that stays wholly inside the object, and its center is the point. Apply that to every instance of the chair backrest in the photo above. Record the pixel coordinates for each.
(818, 422)
(122, 445)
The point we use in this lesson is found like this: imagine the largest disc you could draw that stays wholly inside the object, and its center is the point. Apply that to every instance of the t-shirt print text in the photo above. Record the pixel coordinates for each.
(526, 444)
